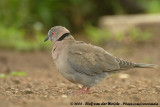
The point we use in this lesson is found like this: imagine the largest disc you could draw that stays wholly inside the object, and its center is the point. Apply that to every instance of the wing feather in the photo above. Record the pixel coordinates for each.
(91, 60)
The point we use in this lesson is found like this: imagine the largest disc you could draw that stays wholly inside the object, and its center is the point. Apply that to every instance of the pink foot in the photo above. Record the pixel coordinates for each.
(88, 91)
(83, 91)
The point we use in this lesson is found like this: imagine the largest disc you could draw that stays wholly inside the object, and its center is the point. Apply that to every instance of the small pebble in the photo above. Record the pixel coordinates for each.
(123, 76)
(95, 91)
(28, 91)
(68, 87)
(115, 87)
(106, 90)
(16, 81)
(45, 96)
(79, 86)
(132, 86)
(140, 89)
(119, 92)
(157, 87)
(64, 96)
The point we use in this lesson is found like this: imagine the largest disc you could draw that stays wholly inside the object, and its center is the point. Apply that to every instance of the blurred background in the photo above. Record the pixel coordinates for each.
(23, 24)
(128, 29)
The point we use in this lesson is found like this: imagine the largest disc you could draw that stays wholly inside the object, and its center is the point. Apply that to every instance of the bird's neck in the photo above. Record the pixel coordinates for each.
(70, 37)
(66, 36)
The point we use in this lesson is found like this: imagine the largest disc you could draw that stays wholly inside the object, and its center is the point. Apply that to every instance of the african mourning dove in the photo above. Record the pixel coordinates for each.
(84, 63)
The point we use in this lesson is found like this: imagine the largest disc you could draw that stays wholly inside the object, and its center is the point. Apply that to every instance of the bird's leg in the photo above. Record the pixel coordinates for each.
(81, 90)
(87, 91)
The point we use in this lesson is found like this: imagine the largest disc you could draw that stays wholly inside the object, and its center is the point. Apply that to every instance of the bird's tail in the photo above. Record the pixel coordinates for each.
(141, 65)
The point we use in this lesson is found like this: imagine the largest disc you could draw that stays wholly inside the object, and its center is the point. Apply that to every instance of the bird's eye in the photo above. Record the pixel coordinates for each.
(53, 33)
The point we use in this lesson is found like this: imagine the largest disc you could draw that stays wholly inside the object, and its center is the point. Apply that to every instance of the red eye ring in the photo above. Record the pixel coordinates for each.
(53, 33)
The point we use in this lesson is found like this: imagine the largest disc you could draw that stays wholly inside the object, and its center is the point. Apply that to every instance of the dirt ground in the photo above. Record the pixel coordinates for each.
(44, 86)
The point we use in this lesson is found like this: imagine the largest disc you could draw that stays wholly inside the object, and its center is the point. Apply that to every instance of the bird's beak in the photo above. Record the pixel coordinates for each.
(46, 39)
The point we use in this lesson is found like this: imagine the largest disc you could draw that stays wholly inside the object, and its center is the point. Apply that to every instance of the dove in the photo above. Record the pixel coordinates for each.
(83, 63)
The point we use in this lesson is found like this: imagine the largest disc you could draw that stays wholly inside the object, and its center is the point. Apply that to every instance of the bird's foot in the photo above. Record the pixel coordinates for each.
(83, 91)
(88, 91)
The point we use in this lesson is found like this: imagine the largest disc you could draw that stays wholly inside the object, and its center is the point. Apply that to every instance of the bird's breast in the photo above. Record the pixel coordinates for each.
(59, 56)
(62, 65)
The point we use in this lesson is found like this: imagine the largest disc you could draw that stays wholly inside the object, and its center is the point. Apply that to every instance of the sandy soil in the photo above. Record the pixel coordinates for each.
(45, 87)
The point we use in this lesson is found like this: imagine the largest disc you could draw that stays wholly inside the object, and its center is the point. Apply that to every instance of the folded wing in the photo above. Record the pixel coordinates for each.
(88, 59)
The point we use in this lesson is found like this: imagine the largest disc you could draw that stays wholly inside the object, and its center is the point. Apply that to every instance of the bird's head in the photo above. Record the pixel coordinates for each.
(57, 33)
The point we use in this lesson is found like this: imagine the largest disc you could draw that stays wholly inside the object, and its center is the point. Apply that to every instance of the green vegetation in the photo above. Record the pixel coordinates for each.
(14, 73)
(18, 73)
(140, 36)
(69, 13)
(24, 23)
(15, 39)
(151, 6)
(136, 35)
(3, 76)
(97, 35)
(147, 59)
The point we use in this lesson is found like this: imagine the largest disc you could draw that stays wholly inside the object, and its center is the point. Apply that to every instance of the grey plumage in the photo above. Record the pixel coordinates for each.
(90, 59)
(141, 65)
(84, 63)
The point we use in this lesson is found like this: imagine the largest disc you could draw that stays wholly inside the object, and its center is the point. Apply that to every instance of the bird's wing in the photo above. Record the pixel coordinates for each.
(89, 59)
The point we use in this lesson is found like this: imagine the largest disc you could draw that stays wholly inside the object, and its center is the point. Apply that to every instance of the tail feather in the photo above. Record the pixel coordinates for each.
(141, 65)
(128, 65)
